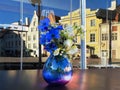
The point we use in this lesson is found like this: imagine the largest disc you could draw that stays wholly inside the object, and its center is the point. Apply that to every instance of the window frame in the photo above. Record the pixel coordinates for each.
(92, 37)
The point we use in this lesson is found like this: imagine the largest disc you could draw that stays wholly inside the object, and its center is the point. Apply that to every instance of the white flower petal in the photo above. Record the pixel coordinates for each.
(73, 50)
(56, 52)
(68, 43)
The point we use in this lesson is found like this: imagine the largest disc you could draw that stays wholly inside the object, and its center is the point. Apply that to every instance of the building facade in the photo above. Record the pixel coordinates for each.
(12, 37)
(105, 35)
(96, 31)
(11, 40)
(33, 36)
(92, 29)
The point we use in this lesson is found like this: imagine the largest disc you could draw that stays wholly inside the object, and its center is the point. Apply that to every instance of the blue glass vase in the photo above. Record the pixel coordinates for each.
(57, 70)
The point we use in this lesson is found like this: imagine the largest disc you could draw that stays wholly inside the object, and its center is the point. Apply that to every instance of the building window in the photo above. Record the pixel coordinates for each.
(104, 36)
(8, 44)
(29, 46)
(113, 53)
(34, 37)
(12, 36)
(32, 29)
(114, 36)
(92, 37)
(16, 43)
(87, 51)
(114, 28)
(75, 23)
(104, 53)
(92, 22)
(34, 45)
(24, 43)
(34, 23)
(12, 44)
(23, 35)
(36, 29)
(29, 38)
(19, 43)
(16, 36)
(19, 36)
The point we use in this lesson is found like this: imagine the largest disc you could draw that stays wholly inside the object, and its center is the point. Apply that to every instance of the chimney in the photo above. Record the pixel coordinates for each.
(27, 21)
(51, 16)
(113, 4)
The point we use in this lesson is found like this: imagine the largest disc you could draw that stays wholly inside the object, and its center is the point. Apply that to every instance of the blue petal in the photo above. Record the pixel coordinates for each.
(45, 21)
(60, 27)
(55, 33)
(44, 24)
(42, 39)
(51, 47)
(48, 37)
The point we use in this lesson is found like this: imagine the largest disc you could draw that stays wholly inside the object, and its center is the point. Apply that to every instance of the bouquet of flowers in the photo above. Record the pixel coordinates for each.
(58, 40)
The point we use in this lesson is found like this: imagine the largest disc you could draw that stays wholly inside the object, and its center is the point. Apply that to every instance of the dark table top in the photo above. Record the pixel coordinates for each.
(91, 79)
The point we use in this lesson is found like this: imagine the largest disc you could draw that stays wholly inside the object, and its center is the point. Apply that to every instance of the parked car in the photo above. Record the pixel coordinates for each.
(94, 56)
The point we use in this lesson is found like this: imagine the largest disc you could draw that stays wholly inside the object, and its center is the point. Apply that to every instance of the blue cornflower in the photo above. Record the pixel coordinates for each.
(44, 24)
(60, 27)
(50, 47)
(54, 33)
(42, 39)
(48, 34)
(48, 37)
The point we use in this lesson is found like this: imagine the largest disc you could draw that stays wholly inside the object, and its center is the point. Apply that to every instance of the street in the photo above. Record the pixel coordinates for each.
(36, 59)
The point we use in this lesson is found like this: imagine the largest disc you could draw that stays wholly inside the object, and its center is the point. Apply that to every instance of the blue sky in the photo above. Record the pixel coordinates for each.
(10, 9)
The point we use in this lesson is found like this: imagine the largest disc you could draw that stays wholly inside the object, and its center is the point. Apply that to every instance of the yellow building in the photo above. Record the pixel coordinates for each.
(92, 29)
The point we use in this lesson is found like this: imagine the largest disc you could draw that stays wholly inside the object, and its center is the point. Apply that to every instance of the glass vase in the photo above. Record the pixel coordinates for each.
(57, 70)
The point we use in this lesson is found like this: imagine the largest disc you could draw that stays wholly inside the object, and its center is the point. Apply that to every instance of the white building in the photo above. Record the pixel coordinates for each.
(33, 36)
(11, 37)
(29, 34)
(115, 35)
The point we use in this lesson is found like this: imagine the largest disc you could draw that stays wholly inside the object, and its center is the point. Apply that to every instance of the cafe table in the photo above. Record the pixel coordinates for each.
(90, 79)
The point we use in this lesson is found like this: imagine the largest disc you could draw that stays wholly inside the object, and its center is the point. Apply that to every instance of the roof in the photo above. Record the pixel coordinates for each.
(118, 9)
(102, 14)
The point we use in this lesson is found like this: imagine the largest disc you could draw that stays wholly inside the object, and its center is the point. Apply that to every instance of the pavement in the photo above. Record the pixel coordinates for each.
(76, 63)
(36, 59)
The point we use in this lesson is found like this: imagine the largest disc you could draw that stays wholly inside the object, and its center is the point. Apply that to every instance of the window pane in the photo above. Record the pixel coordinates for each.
(15, 28)
(19, 27)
